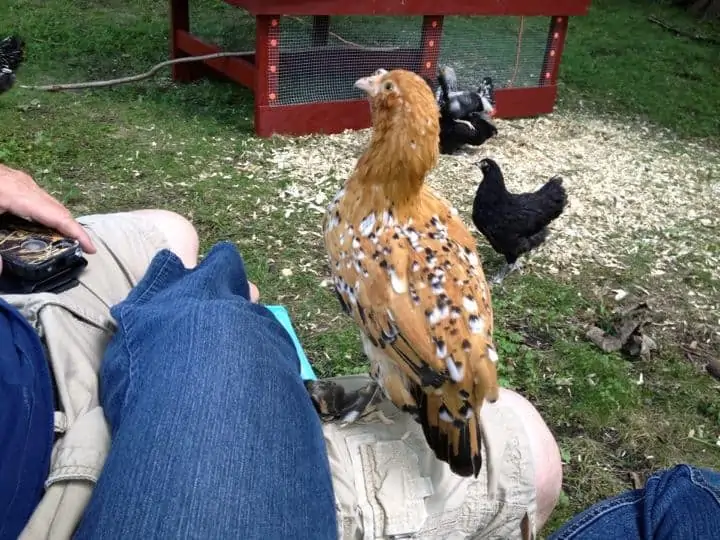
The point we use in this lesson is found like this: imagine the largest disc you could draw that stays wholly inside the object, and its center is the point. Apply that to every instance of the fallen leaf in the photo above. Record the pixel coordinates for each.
(620, 294)
(635, 477)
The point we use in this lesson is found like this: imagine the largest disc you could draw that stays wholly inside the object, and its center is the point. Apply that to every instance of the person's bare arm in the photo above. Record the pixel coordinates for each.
(21, 196)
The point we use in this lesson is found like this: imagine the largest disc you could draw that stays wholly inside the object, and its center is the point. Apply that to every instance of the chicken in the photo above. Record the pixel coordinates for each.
(514, 224)
(405, 268)
(474, 130)
(11, 56)
(460, 103)
(465, 117)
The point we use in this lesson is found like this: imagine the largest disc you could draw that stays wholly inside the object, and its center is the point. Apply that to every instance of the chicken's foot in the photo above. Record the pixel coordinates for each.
(505, 270)
(333, 403)
(363, 401)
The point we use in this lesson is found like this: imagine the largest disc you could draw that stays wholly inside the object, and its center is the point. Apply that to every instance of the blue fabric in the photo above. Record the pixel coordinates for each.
(213, 432)
(26, 421)
(281, 314)
(681, 503)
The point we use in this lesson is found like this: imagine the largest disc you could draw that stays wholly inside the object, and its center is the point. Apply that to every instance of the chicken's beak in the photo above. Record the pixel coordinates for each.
(369, 85)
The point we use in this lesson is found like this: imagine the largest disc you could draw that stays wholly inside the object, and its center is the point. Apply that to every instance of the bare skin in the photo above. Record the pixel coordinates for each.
(20, 195)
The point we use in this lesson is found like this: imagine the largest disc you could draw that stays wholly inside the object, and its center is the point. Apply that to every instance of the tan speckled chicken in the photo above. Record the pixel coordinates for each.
(405, 268)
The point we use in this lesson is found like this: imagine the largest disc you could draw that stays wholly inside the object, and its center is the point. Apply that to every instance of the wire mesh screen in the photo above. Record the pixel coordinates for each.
(511, 50)
(321, 57)
(230, 28)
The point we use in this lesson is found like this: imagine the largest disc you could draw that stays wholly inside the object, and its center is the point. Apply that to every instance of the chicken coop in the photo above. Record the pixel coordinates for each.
(300, 58)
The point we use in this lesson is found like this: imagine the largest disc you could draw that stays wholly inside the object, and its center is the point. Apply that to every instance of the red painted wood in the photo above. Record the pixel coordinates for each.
(240, 69)
(326, 117)
(524, 102)
(272, 70)
(415, 7)
(430, 46)
(337, 116)
(262, 61)
(554, 50)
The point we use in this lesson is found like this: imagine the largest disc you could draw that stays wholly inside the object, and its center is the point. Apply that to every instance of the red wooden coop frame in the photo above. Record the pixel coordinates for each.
(258, 71)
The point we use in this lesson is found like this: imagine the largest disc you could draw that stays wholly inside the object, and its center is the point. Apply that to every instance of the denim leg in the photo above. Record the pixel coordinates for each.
(213, 433)
(681, 503)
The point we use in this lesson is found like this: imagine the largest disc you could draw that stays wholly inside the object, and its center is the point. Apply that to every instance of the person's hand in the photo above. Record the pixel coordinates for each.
(21, 196)
(254, 293)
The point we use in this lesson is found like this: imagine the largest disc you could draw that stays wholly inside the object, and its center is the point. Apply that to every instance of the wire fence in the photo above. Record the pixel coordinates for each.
(321, 57)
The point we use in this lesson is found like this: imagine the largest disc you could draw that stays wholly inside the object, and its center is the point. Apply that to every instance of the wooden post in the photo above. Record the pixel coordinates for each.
(180, 20)
(554, 50)
(430, 46)
(320, 30)
(267, 67)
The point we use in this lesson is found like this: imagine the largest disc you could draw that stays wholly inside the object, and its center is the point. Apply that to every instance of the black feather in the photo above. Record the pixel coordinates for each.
(458, 103)
(343, 305)
(474, 130)
(513, 223)
(463, 463)
(463, 117)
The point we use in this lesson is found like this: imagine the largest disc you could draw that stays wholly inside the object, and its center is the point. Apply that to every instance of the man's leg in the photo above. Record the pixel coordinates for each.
(388, 481)
(76, 327)
(678, 503)
(213, 433)
(179, 233)
(545, 454)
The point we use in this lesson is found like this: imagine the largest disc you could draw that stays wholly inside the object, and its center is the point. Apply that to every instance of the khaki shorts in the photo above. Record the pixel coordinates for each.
(387, 482)
(75, 327)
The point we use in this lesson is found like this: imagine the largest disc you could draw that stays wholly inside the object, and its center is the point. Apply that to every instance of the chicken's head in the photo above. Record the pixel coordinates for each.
(406, 119)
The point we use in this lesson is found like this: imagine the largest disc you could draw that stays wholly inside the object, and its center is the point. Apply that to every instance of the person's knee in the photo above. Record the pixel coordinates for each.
(182, 238)
(546, 455)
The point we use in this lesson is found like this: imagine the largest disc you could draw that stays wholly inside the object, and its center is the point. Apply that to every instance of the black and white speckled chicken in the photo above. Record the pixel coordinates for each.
(465, 116)
(460, 103)
(514, 223)
(11, 56)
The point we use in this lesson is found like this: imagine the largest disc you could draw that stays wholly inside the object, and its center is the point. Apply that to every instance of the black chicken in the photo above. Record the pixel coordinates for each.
(513, 223)
(464, 115)
(475, 129)
(11, 56)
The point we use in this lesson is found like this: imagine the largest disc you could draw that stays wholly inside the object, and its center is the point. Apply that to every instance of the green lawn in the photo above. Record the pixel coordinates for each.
(190, 149)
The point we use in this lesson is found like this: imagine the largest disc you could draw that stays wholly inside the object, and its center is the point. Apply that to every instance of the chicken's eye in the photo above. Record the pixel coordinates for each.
(388, 86)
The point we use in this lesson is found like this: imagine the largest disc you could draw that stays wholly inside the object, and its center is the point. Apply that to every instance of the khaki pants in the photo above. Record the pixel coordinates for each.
(387, 483)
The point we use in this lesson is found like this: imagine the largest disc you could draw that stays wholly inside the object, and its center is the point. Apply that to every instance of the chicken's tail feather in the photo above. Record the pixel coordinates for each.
(457, 442)
(12, 51)
(444, 89)
(536, 239)
(553, 190)
(554, 199)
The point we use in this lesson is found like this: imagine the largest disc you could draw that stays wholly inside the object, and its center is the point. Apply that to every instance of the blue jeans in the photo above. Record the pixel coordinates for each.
(213, 432)
(681, 503)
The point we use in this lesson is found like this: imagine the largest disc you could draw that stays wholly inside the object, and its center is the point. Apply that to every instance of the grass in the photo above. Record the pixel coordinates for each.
(618, 61)
(189, 148)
